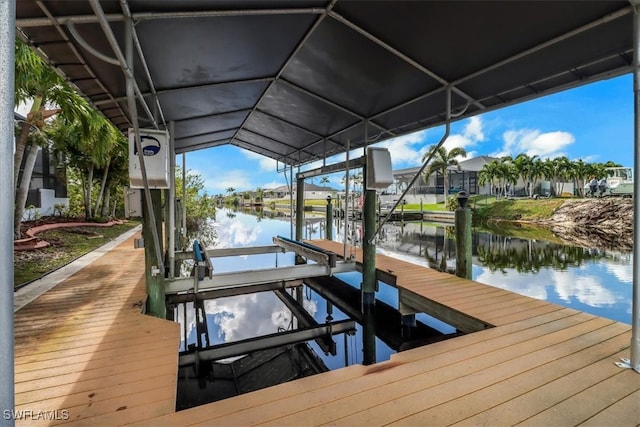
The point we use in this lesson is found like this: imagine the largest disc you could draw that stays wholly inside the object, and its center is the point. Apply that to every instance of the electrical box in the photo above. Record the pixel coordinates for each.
(132, 203)
(379, 172)
(155, 150)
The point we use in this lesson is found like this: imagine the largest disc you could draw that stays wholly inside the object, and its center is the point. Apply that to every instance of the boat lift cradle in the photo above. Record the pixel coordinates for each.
(325, 264)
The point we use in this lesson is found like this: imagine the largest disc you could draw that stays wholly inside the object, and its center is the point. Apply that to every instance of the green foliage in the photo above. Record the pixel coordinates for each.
(451, 203)
(59, 209)
(508, 170)
(516, 210)
(200, 206)
(67, 245)
(439, 160)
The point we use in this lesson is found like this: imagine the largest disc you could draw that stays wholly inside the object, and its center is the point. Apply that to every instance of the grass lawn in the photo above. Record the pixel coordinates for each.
(67, 244)
(515, 210)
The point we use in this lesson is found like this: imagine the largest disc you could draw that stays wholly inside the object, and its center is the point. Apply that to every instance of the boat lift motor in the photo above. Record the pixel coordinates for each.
(203, 267)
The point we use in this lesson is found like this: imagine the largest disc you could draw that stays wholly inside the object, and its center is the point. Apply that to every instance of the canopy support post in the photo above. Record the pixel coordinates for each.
(7, 90)
(172, 201)
(634, 359)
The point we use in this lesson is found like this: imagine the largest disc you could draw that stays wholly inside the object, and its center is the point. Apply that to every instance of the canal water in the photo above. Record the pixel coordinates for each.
(595, 281)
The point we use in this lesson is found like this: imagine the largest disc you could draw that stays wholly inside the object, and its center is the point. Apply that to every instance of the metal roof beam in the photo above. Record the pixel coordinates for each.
(136, 42)
(317, 135)
(208, 144)
(333, 104)
(257, 147)
(204, 116)
(299, 46)
(402, 56)
(205, 86)
(610, 17)
(73, 49)
(117, 17)
(294, 148)
(206, 133)
(336, 167)
(113, 42)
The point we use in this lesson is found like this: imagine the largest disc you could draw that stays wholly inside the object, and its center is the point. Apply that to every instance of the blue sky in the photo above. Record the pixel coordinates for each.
(593, 123)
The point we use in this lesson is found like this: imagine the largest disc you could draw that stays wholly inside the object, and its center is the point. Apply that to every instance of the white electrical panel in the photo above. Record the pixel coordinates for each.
(132, 202)
(155, 150)
(379, 172)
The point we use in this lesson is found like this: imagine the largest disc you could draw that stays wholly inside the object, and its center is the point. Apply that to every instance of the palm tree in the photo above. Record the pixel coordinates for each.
(325, 180)
(441, 161)
(35, 81)
(489, 175)
(524, 166)
(507, 174)
(579, 171)
(88, 153)
(548, 171)
(561, 168)
(536, 171)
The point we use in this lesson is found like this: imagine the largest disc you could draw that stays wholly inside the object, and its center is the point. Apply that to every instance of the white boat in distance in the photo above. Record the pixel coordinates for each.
(619, 182)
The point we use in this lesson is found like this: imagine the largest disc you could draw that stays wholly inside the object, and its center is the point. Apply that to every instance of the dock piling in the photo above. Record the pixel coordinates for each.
(463, 237)
(329, 227)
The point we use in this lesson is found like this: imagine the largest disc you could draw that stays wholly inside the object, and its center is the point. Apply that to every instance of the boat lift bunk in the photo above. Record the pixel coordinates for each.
(325, 263)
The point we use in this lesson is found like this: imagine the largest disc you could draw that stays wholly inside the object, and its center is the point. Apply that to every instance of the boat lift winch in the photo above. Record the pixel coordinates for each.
(321, 263)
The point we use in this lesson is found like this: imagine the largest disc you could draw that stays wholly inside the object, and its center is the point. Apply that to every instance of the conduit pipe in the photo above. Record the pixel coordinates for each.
(126, 67)
(136, 42)
(447, 129)
(133, 111)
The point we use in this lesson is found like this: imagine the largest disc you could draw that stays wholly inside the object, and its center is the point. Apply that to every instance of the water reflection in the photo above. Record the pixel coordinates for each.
(596, 281)
(236, 318)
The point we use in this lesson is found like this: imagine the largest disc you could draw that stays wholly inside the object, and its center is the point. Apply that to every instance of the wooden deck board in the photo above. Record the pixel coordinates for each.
(85, 347)
(542, 364)
(387, 394)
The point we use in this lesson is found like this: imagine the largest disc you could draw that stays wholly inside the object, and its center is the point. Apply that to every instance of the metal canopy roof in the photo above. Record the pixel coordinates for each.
(294, 80)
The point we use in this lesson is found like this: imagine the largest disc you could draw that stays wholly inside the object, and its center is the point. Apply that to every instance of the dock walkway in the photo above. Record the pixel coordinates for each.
(84, 347)
(84, 353)
(535, 364)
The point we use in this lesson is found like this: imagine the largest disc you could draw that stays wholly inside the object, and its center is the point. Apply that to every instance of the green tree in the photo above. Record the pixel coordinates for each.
(50, 95)
(536, 171)
(441, 161)
(524, 164)
(561, 173)
(507, 175)
(90, 155)
(199, 205)
(580, 172)
(489, 175)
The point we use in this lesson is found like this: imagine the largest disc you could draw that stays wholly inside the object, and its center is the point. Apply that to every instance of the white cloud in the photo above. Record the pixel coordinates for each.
(272, 184)
(236, 178)
(534, 142)
(471, 134)
(247, 316)
(623, 272)
(407, 148)
(473, 129)
(266, 164)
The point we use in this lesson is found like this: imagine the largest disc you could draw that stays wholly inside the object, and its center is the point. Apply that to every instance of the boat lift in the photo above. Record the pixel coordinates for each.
(324, 264)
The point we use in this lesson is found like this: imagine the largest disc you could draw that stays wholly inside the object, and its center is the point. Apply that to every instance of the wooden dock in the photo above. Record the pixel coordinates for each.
(85, 348)
(85, 354)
